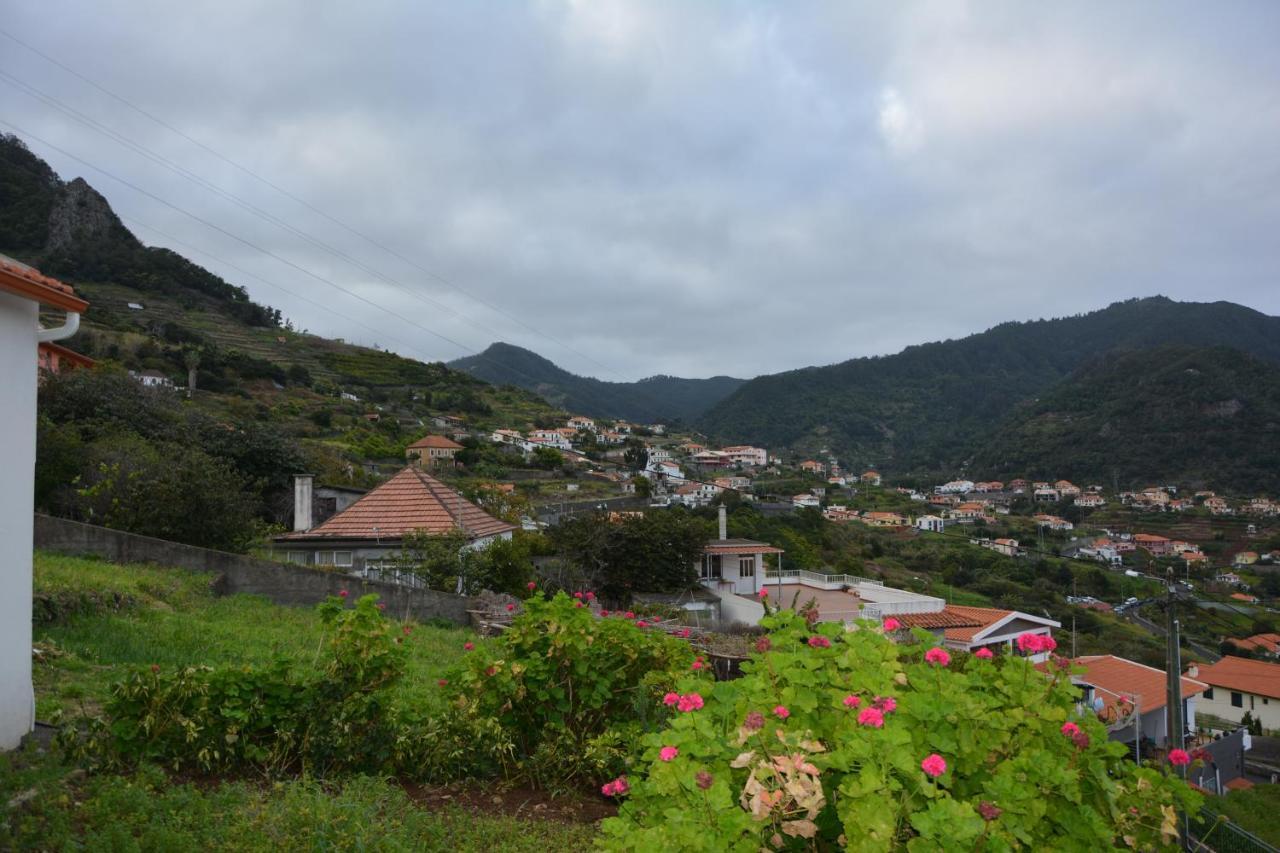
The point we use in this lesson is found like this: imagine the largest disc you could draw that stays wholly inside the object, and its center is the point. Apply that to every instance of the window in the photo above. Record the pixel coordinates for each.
(710, 567)
(299, 557)
(1208, 694)
(746, 567)
(342, 558)
(1237, 701)
(324, 558)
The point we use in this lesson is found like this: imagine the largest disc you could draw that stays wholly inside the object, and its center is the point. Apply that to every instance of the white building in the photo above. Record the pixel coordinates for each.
(805, 500)
(1237, 686)
(22, 293)
(931, 523)
(742, 454)
(955, 487)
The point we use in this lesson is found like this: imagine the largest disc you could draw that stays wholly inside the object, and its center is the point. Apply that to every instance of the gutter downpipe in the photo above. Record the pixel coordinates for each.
(66, 330)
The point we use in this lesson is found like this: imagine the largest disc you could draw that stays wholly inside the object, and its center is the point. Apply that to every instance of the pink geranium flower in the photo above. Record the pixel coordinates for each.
(697, 664)
(781, 712)
(689, 702)
(885, 704)
(342, 593)
(871, 717)
(381, 606)
(763, 645)
(468, 646)
(764, 593)
(577, 595)
(754, 721)
(668, 753)
(1070, 729)
(640, 623)
(442, 682)
(935, 765)
(510, 607)
(818, 642)
(631, 615)
(852, 701)
(591, 596)
(1179, 757)
(892, 624)
(984, 654)
(670, 699)
(616, 788)
(604, 612)
(937, 656)
(531, 586)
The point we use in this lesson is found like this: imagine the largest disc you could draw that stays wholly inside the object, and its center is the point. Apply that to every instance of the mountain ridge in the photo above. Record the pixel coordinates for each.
(658, 398)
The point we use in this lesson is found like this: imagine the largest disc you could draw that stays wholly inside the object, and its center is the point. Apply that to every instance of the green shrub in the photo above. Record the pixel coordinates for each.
(269, 717)
(829, 738)
(571, 691)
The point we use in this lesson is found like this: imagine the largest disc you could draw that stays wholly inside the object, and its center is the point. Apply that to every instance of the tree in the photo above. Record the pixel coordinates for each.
(547, 458)
(653, 552)
(636, 454)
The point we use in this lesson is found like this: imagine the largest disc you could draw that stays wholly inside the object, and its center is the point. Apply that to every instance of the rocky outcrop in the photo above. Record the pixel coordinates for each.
(81, 215)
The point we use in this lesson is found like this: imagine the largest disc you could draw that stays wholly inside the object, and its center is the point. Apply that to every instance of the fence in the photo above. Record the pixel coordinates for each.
(282, 583)
(1212, 831)
(819, 579)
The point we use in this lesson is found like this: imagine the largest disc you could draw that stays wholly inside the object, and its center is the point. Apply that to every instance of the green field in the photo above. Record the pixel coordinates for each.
(95, 620)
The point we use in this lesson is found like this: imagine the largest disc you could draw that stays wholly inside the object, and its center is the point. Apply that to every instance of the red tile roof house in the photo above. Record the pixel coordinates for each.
(22, 293)
(1131, 697)
(972, 628)
(433, 450)
(1239, 685)
(367, 538)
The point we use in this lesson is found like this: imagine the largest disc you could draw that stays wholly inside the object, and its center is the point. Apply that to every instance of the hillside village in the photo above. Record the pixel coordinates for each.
(981, 552)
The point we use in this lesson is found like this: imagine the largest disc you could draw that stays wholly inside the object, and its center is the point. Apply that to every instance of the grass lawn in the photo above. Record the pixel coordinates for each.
(97, 619)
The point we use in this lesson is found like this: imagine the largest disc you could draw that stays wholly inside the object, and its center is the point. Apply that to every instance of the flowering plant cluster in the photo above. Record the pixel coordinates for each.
(572, 690)
(866, 744)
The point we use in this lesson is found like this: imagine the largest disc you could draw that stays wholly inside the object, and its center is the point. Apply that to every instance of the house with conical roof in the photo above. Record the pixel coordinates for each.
(368, 537)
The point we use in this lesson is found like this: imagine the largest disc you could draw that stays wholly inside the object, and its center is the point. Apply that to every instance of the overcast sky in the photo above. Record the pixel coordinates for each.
(633, 188)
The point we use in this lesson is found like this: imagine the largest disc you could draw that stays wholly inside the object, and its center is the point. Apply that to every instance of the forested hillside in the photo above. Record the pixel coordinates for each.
(269, 400)
(1201, 416)
(658, 398)
(923, 409)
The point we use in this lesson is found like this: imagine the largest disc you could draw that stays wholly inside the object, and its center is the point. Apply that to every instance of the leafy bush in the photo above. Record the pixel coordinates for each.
(838, 738)
(269, 716)
(570, 691)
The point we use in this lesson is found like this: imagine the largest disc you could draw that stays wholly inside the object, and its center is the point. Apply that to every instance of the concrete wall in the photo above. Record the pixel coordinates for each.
(553, 513)
(279, 582)
(18, 463)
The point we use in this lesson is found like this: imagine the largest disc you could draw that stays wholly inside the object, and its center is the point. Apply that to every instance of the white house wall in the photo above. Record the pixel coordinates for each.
(18, 461)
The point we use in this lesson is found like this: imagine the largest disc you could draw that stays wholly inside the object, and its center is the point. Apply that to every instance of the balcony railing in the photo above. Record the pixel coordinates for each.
(818, 579)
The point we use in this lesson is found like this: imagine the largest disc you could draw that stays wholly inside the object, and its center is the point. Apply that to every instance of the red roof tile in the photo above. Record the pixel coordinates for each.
(410, 501)
(955, 616)
(1248, 676)
(1122, 677)
(436, 441)
(22, 280)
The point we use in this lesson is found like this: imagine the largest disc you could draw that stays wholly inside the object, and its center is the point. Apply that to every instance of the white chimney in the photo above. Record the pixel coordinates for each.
(724, 524)
(1193, 671)
(302, 502)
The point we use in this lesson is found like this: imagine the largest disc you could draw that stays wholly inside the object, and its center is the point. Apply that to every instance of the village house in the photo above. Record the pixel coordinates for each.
(1257, 506)
(1067, 489)
(1046, 494)
(1131, 699)
(1264, 644)
(969, 512)
(885, 519)
(1237, 686)
(1008, 547)
(153, 379)
(659, 454)
(23, 292)
(507, 436)
(1156, 546)
(1090, 500)
(944, 500)
(53, 359)
(1218, 506)
(1244, 558)
(931, 523)
(746, 455)
(691, 447)
(368, 537)
(433, 450)
(1053, 522)
(968, 629)
(811, 466)
(840, 513)
(550, 438)
(711, 459)
(658, 429)
(988, 487)
(695, 494)
(578, 422)
(1244, 597)
(808, 499)
(1228, 578)
(871, 478)
(955, 487)
(1018, 486)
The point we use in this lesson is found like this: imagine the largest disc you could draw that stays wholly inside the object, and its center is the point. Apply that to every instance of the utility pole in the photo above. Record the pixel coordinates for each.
(1177, 728)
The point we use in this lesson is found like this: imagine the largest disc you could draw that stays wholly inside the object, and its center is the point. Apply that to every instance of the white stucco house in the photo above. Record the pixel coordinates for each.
(22, 292)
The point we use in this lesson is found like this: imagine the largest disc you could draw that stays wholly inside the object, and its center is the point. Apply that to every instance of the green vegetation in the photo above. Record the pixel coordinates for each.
(839, 738)
(150, 811)
(1208, 417)
(1253, 809)
(658, 398)
(924, 410)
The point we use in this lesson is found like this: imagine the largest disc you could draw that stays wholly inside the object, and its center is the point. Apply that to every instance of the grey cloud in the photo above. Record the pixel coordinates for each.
(693, 188)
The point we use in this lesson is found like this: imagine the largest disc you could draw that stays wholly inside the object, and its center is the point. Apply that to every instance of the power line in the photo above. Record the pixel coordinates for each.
(240, 167)
(256, 247)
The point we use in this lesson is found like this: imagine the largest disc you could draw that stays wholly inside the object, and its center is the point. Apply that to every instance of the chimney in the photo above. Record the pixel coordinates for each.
(1193, 671)
(302, 502)
(724, 524)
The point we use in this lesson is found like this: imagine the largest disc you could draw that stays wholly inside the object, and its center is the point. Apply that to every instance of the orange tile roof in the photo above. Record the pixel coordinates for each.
(956, 616)
(22, 280)
(412, 500)
(437, 441)
(1266, 642)
(1243, 674)
(1124, 677)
